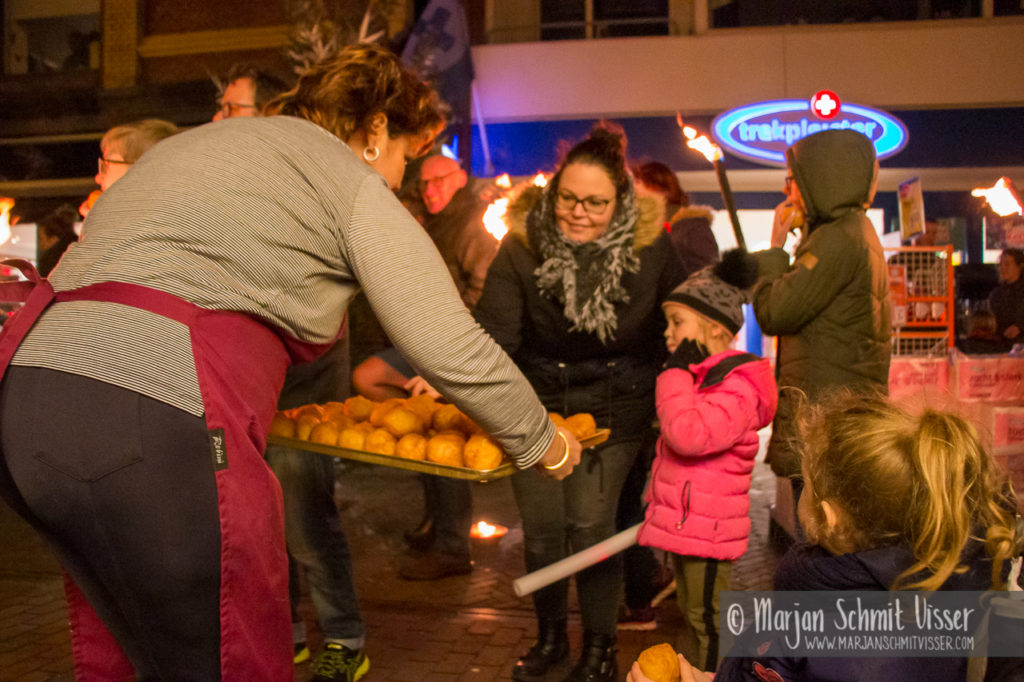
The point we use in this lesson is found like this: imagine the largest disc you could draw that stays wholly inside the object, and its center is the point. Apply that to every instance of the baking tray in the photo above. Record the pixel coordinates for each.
(423, 467)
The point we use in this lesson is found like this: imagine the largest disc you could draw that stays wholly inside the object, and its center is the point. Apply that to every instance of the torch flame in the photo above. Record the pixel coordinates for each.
(503, 180)
(1002, 197)
(540, 180)
(494, 218)
(6, 204)
(711, 151)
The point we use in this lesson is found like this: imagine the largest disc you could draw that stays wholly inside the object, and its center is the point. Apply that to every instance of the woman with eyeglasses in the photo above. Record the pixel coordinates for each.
(574, 296)
(160, 343)
(123, 145)
(120, 148)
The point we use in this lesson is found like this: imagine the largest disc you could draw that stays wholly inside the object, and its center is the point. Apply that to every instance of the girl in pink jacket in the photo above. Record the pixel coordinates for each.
(711, 402)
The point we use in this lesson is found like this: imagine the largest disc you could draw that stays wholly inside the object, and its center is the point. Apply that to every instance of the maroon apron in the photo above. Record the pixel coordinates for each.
(240, 365)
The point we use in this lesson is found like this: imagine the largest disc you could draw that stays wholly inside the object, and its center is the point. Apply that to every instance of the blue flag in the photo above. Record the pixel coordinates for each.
(438, 50)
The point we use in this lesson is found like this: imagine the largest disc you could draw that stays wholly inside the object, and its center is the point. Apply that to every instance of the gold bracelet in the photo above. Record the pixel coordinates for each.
(565, 457)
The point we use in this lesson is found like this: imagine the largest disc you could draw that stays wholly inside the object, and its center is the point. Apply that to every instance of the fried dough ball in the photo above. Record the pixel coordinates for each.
(423, 405)
(470, 427)
(482, 452)
(448, 418)
(381, 442)
(412, 446)
(325, 433)
(312, 409)
(446, 448)
(359, 408)
(400, 421)
(304, 424)
(581, 425)
(282, 425)
(660, 663)
(559, 420)
(332, 410)
(377, 416)
(353, 438)
(343, 421)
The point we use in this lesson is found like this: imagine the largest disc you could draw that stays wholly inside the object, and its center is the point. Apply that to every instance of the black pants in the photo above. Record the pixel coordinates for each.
(641, 569)
(122, 487)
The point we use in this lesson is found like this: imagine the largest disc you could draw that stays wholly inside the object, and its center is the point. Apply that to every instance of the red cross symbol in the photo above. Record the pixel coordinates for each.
(825, 104)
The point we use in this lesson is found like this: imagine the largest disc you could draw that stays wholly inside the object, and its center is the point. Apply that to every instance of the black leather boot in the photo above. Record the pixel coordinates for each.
(597, 660)
(422, 537)
(552, 648)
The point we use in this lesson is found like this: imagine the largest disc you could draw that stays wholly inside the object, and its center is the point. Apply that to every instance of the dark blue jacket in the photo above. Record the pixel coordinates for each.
(810, 567)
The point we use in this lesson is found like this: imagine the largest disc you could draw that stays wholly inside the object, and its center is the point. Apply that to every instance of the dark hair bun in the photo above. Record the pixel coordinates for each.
(611, 135)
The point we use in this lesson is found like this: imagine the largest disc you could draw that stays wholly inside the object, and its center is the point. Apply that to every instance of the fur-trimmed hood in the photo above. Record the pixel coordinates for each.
(649, 224)
(692, 211)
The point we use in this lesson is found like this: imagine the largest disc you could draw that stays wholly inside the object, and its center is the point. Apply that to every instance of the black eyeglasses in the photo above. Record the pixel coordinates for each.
(102, 163)
(567, 201)
(229, 109)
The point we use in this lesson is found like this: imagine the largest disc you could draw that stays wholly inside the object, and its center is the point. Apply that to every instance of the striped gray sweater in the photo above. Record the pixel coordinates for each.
(277, 218)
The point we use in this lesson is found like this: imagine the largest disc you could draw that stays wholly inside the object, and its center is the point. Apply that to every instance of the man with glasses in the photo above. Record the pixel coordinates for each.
(247, 89)
(454, 221)
(828, 305)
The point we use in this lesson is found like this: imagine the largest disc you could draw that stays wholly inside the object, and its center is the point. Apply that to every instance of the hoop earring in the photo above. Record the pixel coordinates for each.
(371, 154)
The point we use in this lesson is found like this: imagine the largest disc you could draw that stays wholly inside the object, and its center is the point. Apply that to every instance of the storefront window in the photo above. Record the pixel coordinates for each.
(732, 13)
(47, 36)
(580, 19)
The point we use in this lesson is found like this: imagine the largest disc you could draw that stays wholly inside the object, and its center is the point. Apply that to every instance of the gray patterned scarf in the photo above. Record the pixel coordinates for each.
(585, 278)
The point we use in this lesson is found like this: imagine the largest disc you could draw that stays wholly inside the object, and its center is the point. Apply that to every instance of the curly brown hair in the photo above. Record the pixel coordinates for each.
(345, 93)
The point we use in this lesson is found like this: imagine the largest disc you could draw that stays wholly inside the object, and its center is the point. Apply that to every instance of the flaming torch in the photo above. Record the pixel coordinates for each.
(1001, 197)
(494, 216)
(6, 204)
(713, 153)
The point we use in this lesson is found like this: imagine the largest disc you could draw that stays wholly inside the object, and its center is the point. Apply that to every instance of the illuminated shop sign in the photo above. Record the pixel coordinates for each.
(761, 132)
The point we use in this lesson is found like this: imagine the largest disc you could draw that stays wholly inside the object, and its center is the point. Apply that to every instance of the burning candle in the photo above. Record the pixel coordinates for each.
(482, 530)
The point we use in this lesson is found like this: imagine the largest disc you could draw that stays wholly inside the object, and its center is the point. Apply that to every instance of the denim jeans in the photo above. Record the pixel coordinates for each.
(563, 517)
(315, 540)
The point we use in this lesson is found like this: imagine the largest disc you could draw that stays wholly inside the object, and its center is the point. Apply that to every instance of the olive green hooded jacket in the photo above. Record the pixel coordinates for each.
(829, 308)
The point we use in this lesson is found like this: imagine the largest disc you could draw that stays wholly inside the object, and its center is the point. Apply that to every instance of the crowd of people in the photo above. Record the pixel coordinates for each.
(212, 285)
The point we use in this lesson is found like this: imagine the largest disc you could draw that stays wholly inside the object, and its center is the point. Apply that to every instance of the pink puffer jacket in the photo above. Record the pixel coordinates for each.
(699, 494)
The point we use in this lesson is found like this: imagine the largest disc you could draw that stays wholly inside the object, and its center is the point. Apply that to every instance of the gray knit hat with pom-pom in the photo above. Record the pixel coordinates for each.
(719, 291)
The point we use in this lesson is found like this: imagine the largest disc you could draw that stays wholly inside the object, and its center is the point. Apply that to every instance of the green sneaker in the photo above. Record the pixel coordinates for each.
(301, 653)
(340, 664)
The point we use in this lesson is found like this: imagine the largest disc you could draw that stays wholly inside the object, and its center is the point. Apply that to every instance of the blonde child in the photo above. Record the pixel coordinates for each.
(711, 402)
(892, 501)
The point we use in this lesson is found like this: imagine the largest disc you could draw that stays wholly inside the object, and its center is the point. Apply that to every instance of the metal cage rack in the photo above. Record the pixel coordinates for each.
(921, 292)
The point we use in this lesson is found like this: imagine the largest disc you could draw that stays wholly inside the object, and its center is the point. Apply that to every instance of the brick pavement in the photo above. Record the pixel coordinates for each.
(464, 628)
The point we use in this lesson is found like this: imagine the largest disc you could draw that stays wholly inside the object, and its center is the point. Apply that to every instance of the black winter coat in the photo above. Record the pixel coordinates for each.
(574, 372)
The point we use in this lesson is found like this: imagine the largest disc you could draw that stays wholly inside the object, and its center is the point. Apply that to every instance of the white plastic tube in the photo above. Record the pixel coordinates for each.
(542, 577)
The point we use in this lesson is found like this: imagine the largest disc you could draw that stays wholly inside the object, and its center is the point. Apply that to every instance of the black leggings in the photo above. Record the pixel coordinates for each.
(122, 487)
